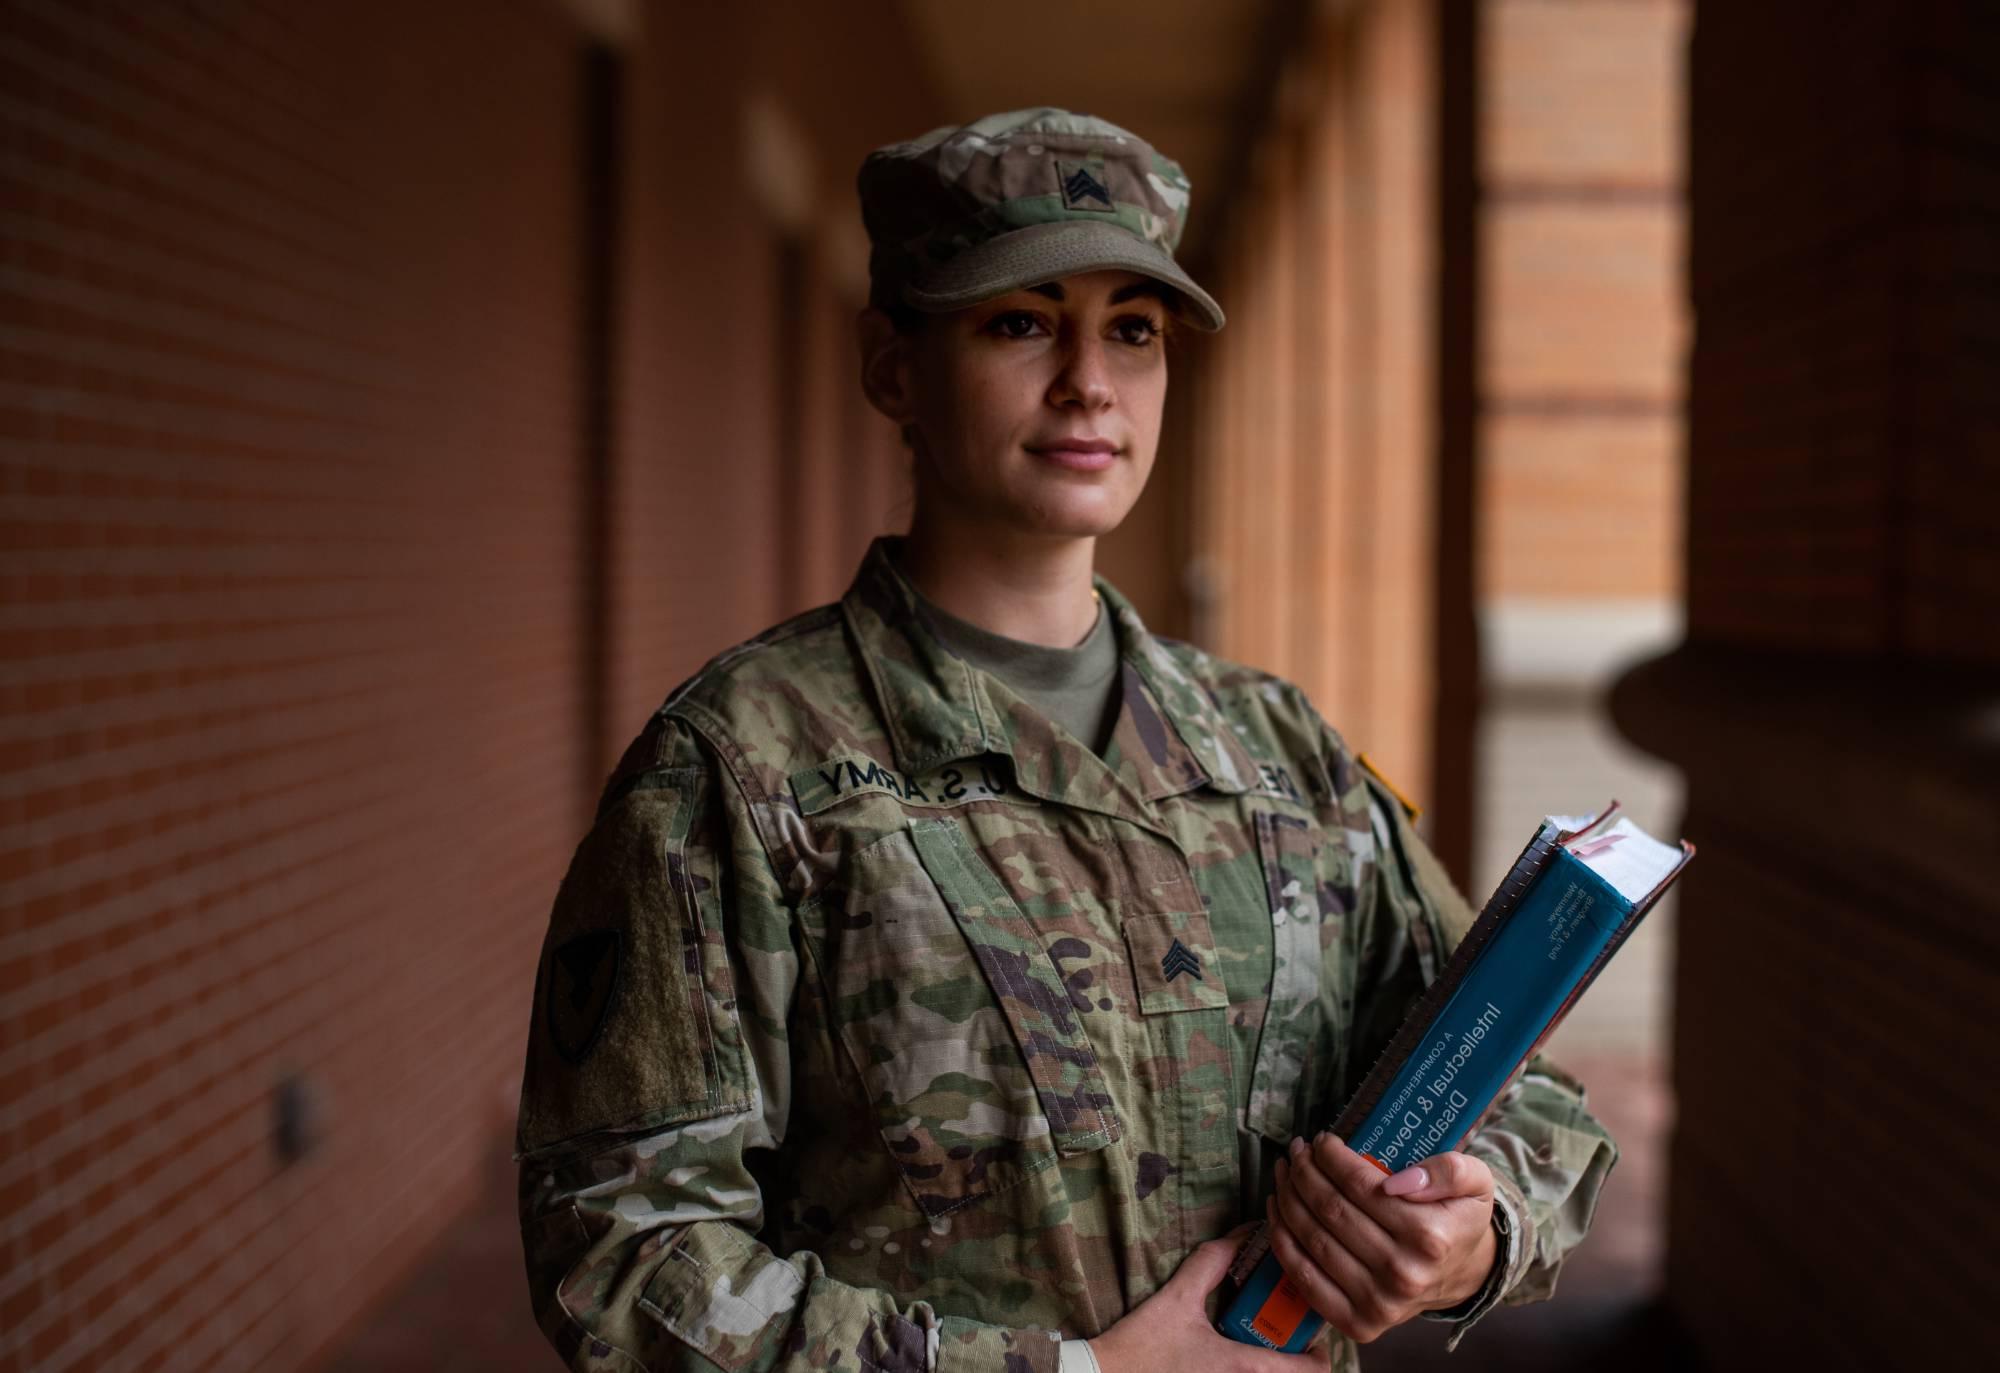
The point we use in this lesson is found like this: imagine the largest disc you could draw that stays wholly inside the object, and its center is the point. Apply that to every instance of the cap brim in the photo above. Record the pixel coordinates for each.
(1046, 252)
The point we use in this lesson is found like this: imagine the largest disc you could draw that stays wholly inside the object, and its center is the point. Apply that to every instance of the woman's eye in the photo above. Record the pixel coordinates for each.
(1138, 330)
(1015, 324)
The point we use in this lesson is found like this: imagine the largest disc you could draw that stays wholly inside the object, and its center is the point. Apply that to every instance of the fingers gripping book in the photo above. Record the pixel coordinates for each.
(1576, 893)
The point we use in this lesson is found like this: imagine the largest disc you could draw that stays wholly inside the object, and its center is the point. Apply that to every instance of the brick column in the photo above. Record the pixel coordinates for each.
(1314, 507)
(1835, 703)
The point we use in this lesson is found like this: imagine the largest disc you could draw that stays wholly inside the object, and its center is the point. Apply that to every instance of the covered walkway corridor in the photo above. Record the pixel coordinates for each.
(400, 399)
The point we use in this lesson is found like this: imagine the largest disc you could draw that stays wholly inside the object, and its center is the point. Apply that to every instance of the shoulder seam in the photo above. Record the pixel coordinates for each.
(1215, 665)
(808, 622)
(744, 777)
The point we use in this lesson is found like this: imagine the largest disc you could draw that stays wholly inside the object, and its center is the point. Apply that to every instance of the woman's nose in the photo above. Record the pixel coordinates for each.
(1085, 378)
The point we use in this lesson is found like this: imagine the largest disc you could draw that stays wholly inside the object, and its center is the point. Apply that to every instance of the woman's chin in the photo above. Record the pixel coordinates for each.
(1075, 524)
(1073, 514)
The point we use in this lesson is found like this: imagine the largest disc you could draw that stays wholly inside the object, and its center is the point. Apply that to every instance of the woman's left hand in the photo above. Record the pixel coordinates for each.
(1370, 1251)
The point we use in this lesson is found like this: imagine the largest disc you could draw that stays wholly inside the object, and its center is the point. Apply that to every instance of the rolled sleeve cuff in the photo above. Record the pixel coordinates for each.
(1510, 1260)
(969, 1347)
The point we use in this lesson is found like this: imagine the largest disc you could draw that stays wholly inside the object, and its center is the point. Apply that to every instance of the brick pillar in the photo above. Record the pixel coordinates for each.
(1833, 706)
(1314, 505)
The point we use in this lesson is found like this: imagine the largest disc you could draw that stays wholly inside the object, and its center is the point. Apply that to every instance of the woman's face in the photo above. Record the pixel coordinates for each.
(1038, 411)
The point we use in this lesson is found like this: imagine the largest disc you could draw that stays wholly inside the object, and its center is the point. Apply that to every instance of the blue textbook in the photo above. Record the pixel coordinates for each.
(1577, 891)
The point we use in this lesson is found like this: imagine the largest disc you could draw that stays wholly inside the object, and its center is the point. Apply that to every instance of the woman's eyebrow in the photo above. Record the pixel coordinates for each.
(1054, 291)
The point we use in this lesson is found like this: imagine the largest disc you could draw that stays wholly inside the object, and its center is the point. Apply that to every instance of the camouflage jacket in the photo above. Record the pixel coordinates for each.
(883, 1025)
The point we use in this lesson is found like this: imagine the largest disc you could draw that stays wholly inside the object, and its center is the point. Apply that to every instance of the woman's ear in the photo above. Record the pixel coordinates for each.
(885, 365)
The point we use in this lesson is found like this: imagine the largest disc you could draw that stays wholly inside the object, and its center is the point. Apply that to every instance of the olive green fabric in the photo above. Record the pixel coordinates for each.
(625, 933)
(1076, 687)
(967, 213)
(958, 1036)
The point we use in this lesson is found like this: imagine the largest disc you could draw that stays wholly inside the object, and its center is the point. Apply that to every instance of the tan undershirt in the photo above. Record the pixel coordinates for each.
(1076, 687)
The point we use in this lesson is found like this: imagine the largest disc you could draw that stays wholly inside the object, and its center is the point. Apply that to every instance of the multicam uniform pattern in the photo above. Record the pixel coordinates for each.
(963, 214)
(883, 1026)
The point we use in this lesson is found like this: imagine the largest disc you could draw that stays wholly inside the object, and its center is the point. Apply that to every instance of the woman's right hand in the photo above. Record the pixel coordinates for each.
(1170, 1329)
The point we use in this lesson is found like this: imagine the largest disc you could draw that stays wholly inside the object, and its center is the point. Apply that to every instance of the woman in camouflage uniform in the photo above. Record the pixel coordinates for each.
(952, 971)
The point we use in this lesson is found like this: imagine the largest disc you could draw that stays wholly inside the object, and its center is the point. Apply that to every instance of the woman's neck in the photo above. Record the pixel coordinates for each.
(1033, 589)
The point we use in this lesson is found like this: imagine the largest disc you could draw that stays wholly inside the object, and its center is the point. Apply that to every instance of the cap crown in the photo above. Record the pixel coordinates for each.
(926, 201)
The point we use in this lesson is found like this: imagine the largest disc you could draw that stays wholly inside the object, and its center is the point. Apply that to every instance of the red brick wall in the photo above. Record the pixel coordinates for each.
(291, 699)
(1583, 320)
(698, 382)
(697, 561)
(298, 719)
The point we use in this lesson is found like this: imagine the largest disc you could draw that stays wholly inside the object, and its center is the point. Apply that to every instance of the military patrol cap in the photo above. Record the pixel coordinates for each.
(964, 214)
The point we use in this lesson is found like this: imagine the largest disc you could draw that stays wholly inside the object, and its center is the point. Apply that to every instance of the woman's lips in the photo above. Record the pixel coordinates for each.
(1078, 455)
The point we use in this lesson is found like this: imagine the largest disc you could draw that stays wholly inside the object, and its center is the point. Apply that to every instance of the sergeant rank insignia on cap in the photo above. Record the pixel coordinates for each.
(1078, 185)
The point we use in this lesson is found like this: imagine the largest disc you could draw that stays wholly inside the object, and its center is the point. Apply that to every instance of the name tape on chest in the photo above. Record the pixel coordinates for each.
(978, 779)
(1275, 779)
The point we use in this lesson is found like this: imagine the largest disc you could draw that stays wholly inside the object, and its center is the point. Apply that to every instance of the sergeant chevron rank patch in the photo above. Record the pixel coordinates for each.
(1179, 960)
(583, 985)
(1080, 189)
(1164, 945)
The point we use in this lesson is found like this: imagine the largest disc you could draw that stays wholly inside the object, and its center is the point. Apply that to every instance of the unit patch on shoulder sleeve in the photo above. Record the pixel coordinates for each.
(633, 1025)
(582, 988)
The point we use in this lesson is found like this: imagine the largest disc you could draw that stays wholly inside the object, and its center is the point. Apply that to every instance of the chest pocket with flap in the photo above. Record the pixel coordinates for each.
(1173, 963)
(973, 1057)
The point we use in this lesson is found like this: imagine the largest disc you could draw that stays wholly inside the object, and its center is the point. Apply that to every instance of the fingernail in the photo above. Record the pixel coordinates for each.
(1298, 1146)
(1407, 1181)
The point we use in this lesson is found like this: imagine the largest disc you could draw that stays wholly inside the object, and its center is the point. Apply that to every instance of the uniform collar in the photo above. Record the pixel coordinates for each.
(1170, 736)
